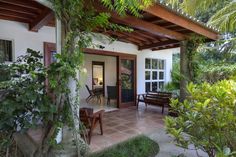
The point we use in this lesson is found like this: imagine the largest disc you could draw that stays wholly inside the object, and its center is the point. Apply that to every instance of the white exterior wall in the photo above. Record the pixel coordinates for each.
(23, 38)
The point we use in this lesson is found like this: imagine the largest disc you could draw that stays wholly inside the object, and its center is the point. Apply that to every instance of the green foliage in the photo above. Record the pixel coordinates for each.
(224, 18)
(25, 103)
(206, 119)
(217, 72)
(175, 74)
(140, 146)
(216, 61)
(5, 73)
(122, 6)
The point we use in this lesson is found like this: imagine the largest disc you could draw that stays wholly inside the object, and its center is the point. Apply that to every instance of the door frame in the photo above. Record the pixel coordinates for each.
(118, 56)
(47, 49)
(133, 103)
(103, 73)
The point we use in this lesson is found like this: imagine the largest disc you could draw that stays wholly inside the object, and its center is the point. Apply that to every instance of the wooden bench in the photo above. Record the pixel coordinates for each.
(161, 99)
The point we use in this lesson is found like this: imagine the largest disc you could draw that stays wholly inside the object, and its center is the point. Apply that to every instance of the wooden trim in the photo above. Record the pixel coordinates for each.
(133, 103)
(106, 53)
(166, 47)
(47, 57)
(118, 80)
(161, 43)
(103, 73)
(164, 13)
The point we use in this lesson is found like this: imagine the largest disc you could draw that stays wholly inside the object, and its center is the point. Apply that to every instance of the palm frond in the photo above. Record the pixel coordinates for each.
(225, 19)
(191, 6)
(122, 6)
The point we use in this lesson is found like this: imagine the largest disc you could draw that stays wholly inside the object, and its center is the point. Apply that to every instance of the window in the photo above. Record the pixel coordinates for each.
(154, 74)
(5, 50)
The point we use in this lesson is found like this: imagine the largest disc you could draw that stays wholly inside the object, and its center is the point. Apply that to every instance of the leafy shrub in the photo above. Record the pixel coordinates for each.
(207, 119)
(216, 72)
(5, 73)
(25, 103)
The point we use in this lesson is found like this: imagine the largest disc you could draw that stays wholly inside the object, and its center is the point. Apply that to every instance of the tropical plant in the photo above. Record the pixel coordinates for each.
(24, 101)
(174, 85)
(224, 19)
(206, 119)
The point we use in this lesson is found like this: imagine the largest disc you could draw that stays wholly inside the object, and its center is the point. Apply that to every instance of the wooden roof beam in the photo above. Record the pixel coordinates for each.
(161, 12)
(166, 47)
(24, 3)
(131, 35)
(140, 24)
(19, 9)
(41, 20)
(148, 27)
(159, 44)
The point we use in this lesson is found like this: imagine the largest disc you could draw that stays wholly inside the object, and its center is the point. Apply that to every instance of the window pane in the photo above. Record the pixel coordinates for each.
(154, 75)
(161, 85)
(147, 75)
(147, 86)
(154, 86)
(148, 63)
(154, 63)
(5, 50)
(161, 75)
(161, 64)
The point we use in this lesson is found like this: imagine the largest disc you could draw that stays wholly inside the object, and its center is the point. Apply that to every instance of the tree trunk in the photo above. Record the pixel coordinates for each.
(184, 71)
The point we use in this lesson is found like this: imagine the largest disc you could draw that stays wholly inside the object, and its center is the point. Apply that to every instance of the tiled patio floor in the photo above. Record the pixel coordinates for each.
(126, 123)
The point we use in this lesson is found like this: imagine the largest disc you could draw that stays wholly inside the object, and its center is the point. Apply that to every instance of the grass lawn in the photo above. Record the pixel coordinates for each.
(140, 146)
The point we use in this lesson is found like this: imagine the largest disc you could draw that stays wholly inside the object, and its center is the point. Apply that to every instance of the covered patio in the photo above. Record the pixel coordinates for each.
(124, 124)
(159, 28)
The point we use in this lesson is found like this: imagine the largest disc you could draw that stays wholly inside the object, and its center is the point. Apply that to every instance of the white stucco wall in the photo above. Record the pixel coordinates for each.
(23, 38)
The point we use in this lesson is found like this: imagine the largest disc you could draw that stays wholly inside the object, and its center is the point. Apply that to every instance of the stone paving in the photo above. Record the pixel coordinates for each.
(129, 122)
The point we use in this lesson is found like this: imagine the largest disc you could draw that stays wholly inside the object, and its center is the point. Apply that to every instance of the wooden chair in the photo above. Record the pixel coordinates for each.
(93, 94)
(90, 119)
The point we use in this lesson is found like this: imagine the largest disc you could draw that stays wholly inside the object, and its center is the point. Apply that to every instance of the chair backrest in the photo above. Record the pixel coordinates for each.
(88, 89)
(112, 92)
(85, 115)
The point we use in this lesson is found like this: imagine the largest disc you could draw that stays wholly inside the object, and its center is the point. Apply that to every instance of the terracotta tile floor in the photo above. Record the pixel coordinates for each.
(126, 123)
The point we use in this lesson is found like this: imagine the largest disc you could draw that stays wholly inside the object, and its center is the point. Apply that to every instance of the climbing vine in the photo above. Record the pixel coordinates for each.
(192, 49)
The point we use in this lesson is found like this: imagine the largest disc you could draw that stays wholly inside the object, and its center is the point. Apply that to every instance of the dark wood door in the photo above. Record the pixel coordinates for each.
(127, 81)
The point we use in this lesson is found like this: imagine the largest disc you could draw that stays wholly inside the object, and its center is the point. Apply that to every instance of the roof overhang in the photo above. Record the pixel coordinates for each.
(159, 27)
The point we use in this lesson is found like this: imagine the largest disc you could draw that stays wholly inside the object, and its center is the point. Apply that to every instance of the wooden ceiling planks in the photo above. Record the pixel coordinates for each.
(27, 11)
